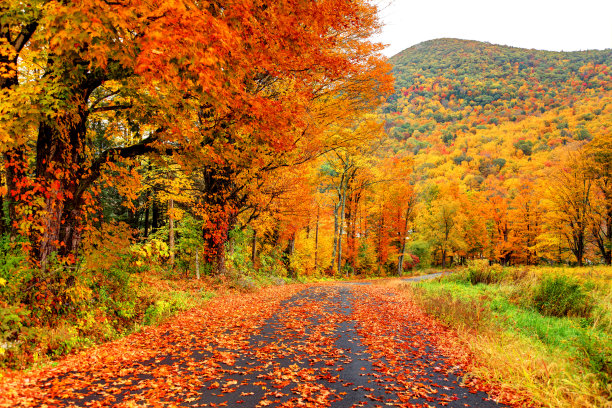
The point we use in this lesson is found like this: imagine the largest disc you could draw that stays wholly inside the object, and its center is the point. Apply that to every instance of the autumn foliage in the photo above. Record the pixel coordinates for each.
(511, 151)
(154, 136)
(234, 138)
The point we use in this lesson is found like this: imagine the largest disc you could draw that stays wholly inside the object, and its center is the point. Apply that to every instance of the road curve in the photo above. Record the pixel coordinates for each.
(322, 346)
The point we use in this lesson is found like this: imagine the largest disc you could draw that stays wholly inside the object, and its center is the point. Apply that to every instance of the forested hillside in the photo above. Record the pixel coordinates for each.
(511, 150)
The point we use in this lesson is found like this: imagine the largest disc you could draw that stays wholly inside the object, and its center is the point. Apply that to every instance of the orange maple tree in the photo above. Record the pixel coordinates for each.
(220, 86)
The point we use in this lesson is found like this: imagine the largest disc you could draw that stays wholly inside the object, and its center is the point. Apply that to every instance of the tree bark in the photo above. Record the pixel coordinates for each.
(146, 218)
(171, 230)
(336, 225)
(316, 252)
(197, 264)
(341, 229)
(404, 236)
(254, 247)
(287, 253)
(444, 258)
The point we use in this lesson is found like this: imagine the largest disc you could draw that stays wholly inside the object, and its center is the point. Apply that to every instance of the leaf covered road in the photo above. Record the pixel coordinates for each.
(317, 346)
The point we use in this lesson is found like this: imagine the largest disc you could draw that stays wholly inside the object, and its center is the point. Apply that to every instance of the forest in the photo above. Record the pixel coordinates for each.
(178, 141)
(511, 152)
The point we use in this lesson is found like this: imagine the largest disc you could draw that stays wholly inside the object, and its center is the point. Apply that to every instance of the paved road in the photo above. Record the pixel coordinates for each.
(336, 346)
(425, 277)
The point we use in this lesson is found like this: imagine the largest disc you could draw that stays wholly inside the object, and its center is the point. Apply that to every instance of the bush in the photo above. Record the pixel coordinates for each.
(14, 271)
(162, 309)
(480, 272)
(422, 250)
(561, 296)
(17, 336)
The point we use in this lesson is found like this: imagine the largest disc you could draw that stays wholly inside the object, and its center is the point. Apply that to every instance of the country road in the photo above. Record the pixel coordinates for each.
(317, 346)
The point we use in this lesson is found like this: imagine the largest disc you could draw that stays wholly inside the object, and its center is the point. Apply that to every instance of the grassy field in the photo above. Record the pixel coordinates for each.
(546, 332)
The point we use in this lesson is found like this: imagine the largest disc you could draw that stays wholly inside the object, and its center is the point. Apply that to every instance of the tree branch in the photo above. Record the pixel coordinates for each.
(112, 155)
(110, 108)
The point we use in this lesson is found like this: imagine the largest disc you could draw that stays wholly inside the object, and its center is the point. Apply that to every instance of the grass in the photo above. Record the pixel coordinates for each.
(558, 355)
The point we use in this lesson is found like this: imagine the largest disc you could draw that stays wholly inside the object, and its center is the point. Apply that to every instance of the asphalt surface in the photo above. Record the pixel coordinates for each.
(310, 353)
(425, 277)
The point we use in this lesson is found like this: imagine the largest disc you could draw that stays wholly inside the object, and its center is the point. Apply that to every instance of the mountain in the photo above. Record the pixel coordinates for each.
(482, 73)
(494, 107)
(510, 150)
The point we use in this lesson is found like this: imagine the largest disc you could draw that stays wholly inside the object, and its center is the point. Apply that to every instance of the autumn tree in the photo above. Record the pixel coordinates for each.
(439, 221)
(396, 192)
(167, 77)
(598, 156)
(570, 202)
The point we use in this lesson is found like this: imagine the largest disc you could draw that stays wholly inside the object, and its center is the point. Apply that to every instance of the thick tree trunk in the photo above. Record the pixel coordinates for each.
(220, 260)
(60, 157)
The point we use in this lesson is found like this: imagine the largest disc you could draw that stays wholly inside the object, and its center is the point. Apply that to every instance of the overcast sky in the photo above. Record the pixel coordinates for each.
(555, 25)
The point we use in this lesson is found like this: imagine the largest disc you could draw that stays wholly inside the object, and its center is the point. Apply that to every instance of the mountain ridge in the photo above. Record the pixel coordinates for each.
(443, 40)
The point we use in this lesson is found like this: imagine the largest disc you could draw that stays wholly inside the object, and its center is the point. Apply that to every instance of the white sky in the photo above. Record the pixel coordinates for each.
(555, 25)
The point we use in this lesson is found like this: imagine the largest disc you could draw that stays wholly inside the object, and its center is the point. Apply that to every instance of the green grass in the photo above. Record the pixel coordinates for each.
(570, 337)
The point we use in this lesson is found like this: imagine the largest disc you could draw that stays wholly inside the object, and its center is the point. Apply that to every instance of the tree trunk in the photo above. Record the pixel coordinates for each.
(220, 260)
(59, 169)
(155, 222)
(404, 237)
(336, 225)
(146, 220)
(16, 173)
(171, 230)
(287, 253)
(197, 264)
(443, 258)
(341, 229)
(316, 251)
(254, 247)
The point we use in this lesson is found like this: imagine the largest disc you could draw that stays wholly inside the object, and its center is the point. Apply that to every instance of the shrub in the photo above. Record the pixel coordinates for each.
(14, 270)
(561, 296)
(17, 336)
(480, 272)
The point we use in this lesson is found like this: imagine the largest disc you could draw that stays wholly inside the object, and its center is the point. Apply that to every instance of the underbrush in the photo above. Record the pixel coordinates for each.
(546, 332)
(47, 314)
(71, 314)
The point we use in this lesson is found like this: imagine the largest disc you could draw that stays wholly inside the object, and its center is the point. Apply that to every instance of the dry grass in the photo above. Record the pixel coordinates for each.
(522, 366)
